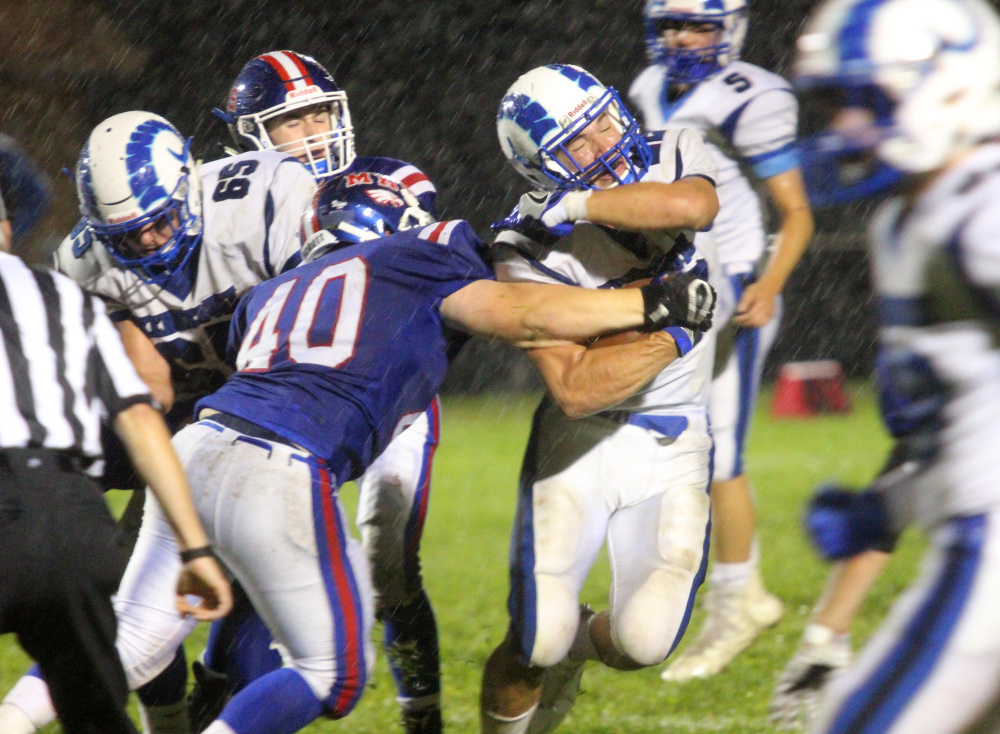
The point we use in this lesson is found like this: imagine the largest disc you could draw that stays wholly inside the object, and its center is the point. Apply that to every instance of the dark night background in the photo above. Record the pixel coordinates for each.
(423, 80)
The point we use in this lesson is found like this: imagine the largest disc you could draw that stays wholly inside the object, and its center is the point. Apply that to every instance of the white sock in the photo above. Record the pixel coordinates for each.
(171, 719)
(14, 721)
(219, 727)
(31, 695)
(489, 723)
(731, 574)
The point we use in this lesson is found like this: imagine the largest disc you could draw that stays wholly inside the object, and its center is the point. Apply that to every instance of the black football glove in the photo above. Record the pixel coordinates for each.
(683, 300)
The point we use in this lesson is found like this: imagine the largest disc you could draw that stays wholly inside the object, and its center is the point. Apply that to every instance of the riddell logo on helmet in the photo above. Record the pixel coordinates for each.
(123, 217)
(566, 119)
(306, 92)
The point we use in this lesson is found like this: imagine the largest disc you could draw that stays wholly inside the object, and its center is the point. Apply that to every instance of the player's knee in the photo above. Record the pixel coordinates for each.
(147, 640)
(557, 617)
(649, 624)
(338, 690)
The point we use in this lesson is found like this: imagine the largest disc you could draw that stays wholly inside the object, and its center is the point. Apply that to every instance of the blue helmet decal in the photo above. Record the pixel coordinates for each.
(715, 5)
(583, 79)
(142, 177)
(527, 114)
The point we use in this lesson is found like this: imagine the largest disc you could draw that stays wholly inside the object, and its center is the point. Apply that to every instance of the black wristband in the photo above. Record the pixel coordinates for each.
(191, 553)
(655, 312)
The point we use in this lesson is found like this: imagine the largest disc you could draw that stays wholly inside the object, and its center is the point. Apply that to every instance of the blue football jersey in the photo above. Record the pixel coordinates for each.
(341, 354)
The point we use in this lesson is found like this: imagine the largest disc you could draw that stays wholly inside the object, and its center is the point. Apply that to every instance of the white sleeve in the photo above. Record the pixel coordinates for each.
(511, 266)
(693, 157)
(291, 191)
(979, 252)
(765, 132)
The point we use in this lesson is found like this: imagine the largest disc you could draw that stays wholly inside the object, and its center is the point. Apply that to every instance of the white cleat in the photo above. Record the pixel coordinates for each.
(560, 687)
(799, 688)
(736, 617)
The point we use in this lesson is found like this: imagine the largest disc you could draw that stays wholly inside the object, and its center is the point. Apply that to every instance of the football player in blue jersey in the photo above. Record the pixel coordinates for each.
(334, 360)
(621, 455)
(171, 247)
(748, 118)
(287, 101)
(907, 102)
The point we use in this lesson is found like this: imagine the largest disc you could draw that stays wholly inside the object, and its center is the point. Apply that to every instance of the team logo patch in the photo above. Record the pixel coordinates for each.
(371, 179)
(386, 198)
(231, 102)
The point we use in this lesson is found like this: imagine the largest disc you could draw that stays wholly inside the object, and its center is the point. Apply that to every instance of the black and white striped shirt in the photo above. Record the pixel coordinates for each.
(62, 364)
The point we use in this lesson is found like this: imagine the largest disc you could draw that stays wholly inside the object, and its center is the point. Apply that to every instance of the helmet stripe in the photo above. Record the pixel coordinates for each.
(303, 71)
(289, 73)
(854, 33)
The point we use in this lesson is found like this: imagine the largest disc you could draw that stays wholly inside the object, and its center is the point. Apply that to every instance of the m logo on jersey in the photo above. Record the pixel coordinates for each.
(142, 177)
(528, 115)
(387, 198)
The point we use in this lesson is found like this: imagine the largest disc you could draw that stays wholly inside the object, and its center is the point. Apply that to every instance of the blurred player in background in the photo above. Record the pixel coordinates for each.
(620, 447)
(748, 118)
(334, 360)
(27, 191)
(288, 102)
(171, 248)
(906, 94)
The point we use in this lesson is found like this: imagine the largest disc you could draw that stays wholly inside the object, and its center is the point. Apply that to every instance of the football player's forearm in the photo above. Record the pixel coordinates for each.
(584, 381)
(685, 204)
(570, 313)
(147, 440)
(792, 239)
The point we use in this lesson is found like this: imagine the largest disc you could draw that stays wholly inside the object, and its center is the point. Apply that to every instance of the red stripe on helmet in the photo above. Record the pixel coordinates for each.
(282, 74)
(297, 60)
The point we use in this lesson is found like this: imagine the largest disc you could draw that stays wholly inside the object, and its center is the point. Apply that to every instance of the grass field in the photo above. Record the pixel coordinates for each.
(465, 551)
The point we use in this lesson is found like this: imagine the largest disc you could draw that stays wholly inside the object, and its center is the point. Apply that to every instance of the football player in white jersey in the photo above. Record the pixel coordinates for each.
(620, 446)
(748, 118)
(911, 95)
(171, 247)
(280, 100)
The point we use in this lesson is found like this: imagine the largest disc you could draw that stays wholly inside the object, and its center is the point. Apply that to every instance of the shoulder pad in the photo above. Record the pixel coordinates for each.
(82, 237)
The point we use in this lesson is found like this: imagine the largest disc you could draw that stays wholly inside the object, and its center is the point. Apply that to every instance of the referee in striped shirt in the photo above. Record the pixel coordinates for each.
(62, 368)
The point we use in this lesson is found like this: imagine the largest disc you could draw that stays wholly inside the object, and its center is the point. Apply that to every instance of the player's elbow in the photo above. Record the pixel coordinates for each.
(703, 206)
(576, 404)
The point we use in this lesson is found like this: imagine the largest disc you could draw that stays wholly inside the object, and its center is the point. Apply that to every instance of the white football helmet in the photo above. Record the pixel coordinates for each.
(546, 108)
(925, 73)
(137, 169)
(690, 66)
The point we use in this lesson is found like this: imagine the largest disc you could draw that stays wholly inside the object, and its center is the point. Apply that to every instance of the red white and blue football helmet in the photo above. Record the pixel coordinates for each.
(280, 82)
(137, 169)
(546, 108)
(690, 66)
(893, 88)
(356, 207)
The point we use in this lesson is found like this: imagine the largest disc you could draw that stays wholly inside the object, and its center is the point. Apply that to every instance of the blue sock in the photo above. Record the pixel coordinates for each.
(279, 703)
(170, 686)
(35, 671)
(411, 646)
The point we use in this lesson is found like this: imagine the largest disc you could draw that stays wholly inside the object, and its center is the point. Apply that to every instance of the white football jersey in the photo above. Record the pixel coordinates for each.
(252, 205)
(599, 257)
(937, 276)
(748, 118)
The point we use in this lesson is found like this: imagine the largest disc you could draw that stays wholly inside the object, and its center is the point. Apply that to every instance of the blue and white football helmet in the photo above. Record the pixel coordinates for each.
(901, 86)
(691, 66)
(546, 108)
(356, 207)
(280, 82)
(137, 169)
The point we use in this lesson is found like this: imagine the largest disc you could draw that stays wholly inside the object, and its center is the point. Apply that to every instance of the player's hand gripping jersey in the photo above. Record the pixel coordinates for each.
(749, 118)
(288, 333)
(251, 204)
(596, 256)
